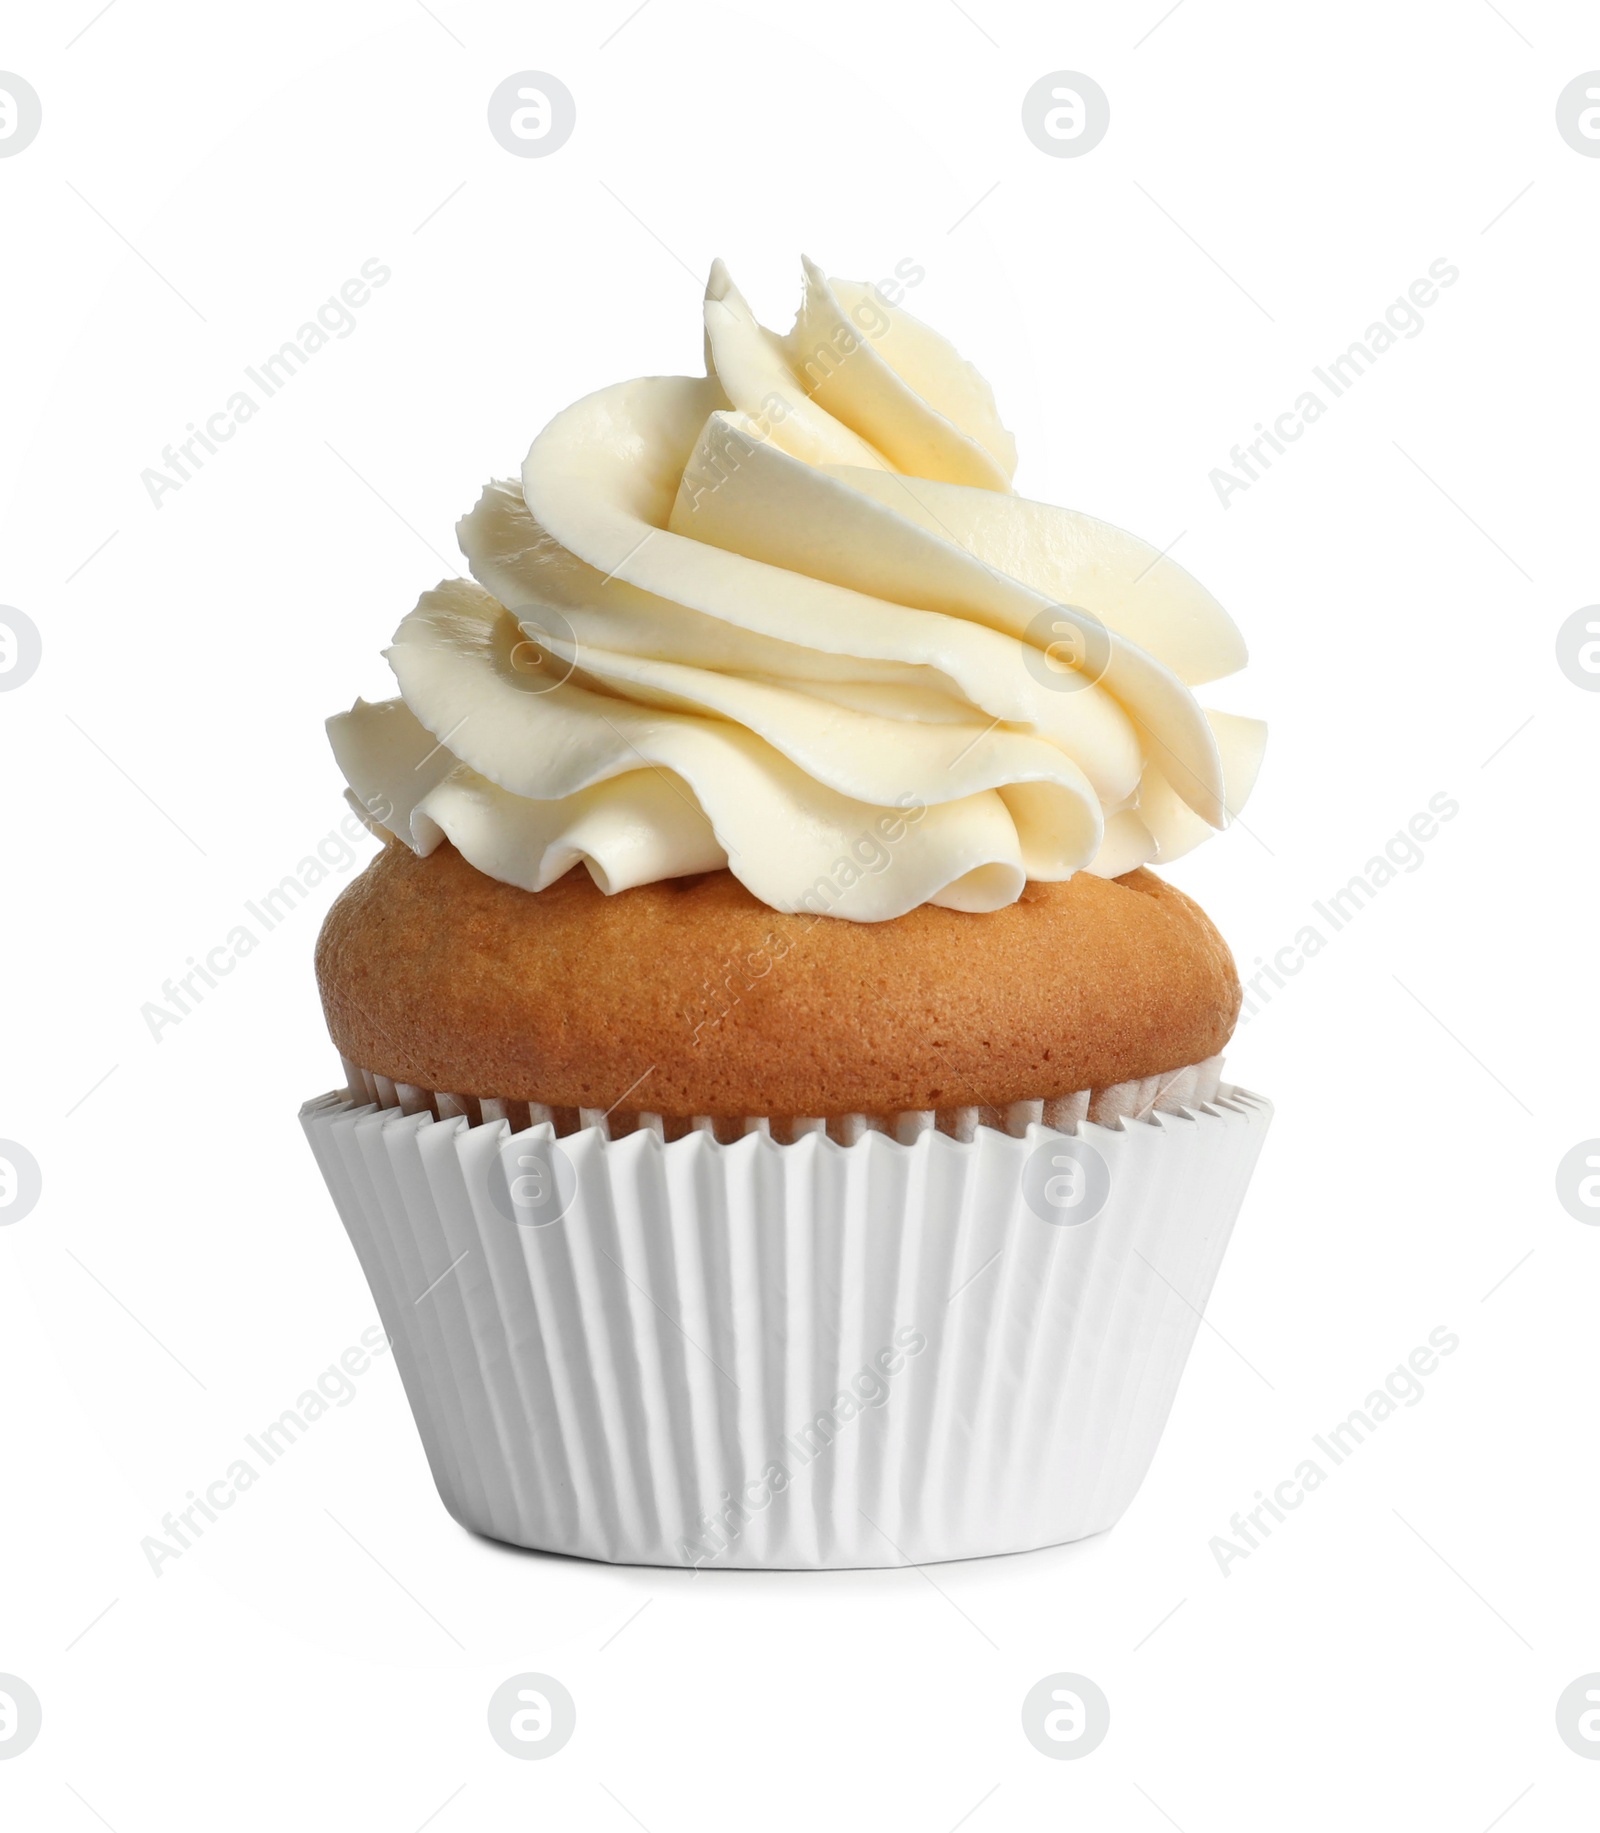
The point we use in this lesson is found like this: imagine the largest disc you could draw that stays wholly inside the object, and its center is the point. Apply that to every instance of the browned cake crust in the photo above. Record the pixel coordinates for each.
(690, 997)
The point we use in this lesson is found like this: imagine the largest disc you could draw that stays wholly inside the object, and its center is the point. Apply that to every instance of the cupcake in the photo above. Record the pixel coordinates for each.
(782, 1120)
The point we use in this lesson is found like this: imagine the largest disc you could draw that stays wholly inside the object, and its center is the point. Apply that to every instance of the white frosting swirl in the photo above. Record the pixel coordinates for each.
(789, 618)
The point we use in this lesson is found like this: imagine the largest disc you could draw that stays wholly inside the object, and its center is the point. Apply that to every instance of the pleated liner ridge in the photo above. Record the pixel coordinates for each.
(786, 1356)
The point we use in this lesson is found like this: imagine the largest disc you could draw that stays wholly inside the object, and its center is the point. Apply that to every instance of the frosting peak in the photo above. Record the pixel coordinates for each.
(790, 618)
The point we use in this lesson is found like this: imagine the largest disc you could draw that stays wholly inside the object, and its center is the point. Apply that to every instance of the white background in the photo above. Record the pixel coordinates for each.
(1396, 1649)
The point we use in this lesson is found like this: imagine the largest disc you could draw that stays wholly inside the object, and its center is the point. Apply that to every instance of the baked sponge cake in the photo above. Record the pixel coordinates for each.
(782, 1120)
(689, 997)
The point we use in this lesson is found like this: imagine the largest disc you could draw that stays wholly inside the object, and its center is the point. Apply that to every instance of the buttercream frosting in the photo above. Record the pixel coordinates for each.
(791, 618)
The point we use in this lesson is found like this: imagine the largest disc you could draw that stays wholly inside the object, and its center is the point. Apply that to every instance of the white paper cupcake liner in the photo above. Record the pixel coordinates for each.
(696, 1352)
